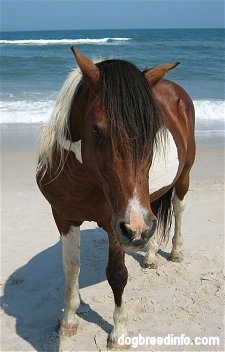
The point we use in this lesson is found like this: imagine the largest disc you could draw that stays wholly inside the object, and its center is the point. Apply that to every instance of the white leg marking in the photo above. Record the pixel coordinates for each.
(71, 265)
(177, 240)
(120, 324)
(151, 250)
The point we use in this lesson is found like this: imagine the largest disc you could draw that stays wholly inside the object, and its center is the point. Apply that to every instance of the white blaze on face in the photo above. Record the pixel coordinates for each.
(137, 223)
(164, 166)
(135, 216)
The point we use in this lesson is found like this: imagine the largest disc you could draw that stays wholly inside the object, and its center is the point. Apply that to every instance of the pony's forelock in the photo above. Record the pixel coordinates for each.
(134, 118)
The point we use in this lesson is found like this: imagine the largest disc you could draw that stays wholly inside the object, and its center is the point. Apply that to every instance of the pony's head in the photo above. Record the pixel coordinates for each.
(115, 116)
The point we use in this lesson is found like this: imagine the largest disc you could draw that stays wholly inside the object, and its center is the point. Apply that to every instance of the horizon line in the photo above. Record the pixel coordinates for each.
(103, 29)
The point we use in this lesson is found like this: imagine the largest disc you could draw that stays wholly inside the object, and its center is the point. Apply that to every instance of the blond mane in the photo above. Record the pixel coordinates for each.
(54, 132)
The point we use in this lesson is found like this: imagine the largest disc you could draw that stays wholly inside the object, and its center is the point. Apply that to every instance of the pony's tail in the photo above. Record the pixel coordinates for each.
(163, 209)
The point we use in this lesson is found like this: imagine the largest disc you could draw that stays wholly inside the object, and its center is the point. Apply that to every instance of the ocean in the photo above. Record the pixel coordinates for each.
(34, 66)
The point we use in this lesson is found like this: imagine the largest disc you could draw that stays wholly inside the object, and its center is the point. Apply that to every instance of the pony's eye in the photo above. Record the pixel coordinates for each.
(96, 130)
(99, 135)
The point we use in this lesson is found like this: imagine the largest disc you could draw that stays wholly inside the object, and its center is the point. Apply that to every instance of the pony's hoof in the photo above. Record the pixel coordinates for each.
(153, 265)
(113, 344)
(68, 329)
(177, 258)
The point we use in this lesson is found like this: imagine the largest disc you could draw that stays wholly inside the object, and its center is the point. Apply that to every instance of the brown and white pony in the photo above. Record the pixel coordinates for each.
(117, 150)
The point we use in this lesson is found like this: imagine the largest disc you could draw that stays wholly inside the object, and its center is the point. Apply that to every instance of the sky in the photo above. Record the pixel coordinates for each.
(19, 15)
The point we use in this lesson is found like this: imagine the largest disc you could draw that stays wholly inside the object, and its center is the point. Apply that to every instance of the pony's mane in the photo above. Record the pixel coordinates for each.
(54, 132)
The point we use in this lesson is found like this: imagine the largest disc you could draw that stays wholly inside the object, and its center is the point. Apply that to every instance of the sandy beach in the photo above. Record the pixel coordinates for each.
(186, 298)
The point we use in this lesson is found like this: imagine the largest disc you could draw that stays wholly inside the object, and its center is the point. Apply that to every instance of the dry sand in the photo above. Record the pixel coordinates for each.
(185, 298)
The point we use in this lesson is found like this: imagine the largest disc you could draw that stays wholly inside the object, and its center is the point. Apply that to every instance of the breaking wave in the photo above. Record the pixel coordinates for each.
(41, 42)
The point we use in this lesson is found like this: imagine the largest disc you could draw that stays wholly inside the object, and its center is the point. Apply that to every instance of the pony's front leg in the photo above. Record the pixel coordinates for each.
(177, 240)
(71, 265)
(117, 275)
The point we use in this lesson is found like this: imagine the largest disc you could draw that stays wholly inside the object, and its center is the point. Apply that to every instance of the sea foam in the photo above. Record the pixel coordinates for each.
(62, 41)
(210, 114)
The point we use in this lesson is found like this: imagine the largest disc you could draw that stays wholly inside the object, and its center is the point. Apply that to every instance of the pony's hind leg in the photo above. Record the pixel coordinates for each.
(176, 254)
(150, 260)
(181, 189)
(71, 265)
(162, 208)
(117, 275)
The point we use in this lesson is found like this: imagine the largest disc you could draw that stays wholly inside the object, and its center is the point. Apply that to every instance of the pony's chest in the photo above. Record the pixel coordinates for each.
(164, 166)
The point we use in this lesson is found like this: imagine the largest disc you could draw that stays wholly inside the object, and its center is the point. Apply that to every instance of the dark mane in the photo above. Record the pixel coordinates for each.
(130, 106)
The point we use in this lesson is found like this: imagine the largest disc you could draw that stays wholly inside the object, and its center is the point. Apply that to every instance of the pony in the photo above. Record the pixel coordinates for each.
(117, 150)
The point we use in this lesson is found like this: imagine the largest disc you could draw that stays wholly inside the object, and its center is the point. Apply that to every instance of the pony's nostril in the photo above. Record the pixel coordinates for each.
(150, 231)
(125, 231)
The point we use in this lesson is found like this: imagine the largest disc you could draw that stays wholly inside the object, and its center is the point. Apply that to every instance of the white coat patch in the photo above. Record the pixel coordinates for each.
(164, 166)
(74, 147)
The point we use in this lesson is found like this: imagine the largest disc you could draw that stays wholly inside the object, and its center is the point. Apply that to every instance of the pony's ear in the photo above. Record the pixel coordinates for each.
(90, 71)
(154, 74)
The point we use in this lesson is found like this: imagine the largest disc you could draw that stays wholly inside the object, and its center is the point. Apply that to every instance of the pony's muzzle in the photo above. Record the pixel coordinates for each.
(136, 238)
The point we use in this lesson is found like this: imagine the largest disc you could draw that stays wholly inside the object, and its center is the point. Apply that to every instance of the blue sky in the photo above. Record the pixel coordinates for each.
(102, 14)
